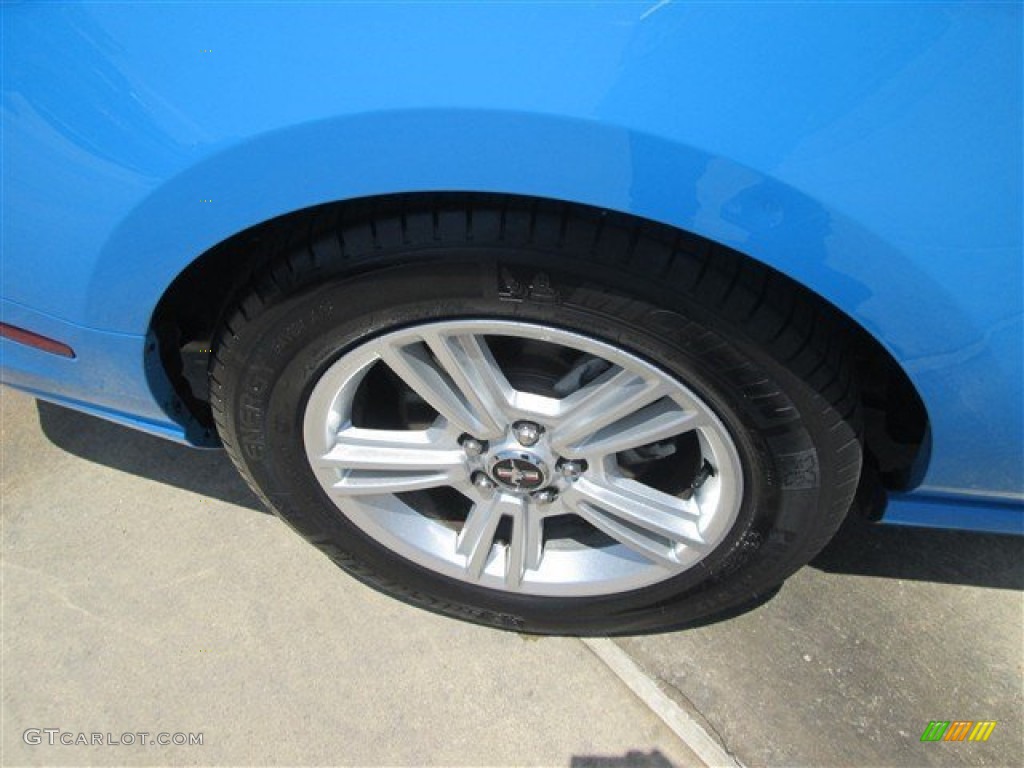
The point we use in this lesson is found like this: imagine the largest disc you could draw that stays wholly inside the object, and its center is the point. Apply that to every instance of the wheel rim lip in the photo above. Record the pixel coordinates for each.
(568, 573)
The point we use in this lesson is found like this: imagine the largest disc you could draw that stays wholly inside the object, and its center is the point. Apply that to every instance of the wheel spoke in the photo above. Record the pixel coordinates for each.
(460, 380)
(467, 359)
(477, 536)
(522, 553)
(617, 411)
(644, 519)
(611, 396)
(383, 461)
(653, 417)
(526, 547)
(476, 540)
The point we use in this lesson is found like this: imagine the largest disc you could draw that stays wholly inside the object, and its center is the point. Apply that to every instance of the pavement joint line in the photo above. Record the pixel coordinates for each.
(690, 732)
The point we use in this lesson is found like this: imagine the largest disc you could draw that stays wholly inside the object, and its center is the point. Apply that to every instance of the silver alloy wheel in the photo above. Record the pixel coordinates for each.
(522, 459)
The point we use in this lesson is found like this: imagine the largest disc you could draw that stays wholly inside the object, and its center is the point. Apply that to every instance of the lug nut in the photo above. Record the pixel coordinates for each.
(545, 496)
(483, 482)
(526, 432)
(473, 447)
(571, 470)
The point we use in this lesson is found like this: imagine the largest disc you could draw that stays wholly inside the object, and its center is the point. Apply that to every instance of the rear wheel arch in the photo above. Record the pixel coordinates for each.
(195, 304)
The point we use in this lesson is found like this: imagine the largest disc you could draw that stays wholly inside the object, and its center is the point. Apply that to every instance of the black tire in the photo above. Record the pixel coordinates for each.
(769, 361)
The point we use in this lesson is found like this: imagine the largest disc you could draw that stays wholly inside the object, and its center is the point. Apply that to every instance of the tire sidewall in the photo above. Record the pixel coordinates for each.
(270, 370)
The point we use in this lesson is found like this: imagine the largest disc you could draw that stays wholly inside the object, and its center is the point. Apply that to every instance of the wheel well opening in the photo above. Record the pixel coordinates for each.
(196, 303)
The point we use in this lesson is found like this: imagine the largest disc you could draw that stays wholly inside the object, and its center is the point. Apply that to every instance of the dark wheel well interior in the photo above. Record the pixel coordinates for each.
(193, 307)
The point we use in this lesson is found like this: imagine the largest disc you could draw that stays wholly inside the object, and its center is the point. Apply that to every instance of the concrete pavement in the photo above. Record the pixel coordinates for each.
(145, 590)
(847, 667)
(133, 605)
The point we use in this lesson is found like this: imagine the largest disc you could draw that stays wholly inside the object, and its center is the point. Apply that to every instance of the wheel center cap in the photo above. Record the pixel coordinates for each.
(518, 471)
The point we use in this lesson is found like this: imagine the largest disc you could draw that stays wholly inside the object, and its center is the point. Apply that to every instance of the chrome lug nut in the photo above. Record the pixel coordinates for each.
(571, 470)
(473, 447)
(483, 482)
(527, 433)
(545, 496)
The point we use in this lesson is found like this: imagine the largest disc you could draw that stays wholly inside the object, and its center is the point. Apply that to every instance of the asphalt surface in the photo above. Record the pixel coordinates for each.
(144, 590)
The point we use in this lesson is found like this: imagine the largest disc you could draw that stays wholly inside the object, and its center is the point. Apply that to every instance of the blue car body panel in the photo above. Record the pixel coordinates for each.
(872, 152)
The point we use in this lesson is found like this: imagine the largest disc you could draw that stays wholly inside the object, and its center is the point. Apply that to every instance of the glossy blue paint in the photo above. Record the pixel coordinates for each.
(939, 510)
(870, 151)
(107, 378)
